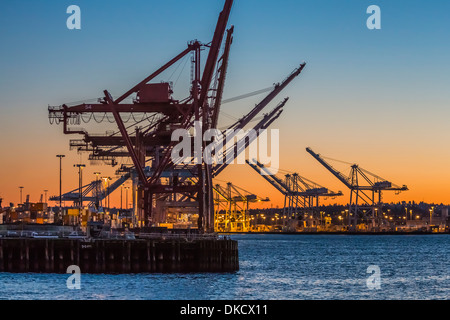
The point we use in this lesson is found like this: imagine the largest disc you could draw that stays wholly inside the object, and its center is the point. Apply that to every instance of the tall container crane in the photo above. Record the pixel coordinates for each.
(366, 191)
(232, 207)
(166, 115)
(154, 114)
(300, 193)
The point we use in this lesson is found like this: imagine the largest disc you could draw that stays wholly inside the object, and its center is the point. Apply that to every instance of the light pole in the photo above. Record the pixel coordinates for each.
(321, 218)
(107, 179)
(121, 189)
(431, 215)
(45, 197)
(96, 189)
(347, 217)
(109, 193)
(80, 167)
(21, 195)
(60, 156)
(126, 197)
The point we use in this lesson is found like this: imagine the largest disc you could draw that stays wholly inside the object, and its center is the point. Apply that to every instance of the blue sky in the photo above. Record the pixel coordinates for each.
(128, 39)
(363, 93)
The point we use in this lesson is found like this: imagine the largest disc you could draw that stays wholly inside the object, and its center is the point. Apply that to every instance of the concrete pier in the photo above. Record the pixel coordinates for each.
(118, 255)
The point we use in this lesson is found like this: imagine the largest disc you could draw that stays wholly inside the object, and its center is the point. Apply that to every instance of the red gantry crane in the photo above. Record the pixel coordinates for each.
(167, 115)
(147, 115)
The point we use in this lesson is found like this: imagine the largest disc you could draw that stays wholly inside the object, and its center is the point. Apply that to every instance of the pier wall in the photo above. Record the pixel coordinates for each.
(118, 256)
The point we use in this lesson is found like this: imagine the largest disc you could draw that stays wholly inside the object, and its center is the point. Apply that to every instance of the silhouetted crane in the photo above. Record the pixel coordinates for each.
(300, 193)
(363, 186)
(232, 205)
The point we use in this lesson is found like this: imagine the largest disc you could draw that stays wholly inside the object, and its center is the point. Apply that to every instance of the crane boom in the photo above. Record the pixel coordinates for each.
(275, 182)
(214, 51)
(221, 82)
(239, 147)
(336, 173)
(260, 106)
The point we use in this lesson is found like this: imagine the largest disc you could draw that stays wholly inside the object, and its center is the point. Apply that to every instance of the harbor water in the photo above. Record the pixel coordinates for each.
(275, 267)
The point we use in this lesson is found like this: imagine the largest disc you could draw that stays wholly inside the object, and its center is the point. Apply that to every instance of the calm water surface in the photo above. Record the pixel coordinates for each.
(275, 267)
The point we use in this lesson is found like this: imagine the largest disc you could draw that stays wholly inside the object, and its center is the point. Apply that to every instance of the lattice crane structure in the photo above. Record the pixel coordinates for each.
(301, 195)
(366, 191)
(232, 208)
(153, 114)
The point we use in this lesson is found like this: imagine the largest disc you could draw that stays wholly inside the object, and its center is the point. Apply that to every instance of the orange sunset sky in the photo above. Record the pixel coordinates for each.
(376, 98)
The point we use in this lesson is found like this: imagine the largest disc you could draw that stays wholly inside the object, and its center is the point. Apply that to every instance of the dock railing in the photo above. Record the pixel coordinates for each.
(109, 235)
(185, 236)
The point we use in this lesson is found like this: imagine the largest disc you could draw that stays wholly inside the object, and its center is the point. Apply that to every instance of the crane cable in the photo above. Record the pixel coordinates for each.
(247, 95)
